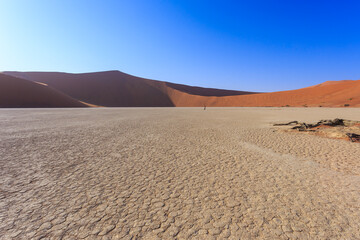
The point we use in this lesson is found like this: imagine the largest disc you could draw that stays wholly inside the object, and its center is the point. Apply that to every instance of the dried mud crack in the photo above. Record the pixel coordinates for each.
(173, 173)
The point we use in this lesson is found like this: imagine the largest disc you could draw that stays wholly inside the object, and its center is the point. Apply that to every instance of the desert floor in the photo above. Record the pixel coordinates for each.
(167, 173)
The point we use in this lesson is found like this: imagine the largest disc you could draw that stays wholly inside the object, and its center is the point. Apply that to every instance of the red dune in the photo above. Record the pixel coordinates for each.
(117, 89)
(338, 94)
(16, 92)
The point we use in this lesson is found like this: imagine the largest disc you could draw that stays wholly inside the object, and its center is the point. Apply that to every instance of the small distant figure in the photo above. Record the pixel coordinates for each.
(204, 107)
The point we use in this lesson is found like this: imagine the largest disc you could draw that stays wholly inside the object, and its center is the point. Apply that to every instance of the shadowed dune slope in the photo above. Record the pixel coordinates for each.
(110, 89)
(117, 89)
(16, 92)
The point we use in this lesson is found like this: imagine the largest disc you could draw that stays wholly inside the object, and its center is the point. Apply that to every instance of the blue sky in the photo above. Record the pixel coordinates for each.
(244, 45)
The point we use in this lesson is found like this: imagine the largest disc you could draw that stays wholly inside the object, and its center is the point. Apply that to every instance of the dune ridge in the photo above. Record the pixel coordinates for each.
(118, 89)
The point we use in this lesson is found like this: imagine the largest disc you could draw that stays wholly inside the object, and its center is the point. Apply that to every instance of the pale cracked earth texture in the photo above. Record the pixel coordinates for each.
(175, 173)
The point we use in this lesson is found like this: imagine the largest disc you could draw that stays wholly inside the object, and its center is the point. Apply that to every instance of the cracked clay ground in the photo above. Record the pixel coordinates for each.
(175, 173)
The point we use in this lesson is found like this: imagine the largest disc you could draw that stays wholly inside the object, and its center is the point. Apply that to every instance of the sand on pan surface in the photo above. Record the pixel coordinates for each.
(175, 173)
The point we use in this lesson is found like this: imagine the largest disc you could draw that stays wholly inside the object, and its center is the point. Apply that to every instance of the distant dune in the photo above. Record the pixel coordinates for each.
(205, 91)
(118, 89)
(16, 92)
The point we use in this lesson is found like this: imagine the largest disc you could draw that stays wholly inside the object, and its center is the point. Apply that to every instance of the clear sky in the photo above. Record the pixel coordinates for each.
(244, 45)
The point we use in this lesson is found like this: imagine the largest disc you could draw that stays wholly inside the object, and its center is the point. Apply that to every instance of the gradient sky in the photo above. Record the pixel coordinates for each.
(244, 45)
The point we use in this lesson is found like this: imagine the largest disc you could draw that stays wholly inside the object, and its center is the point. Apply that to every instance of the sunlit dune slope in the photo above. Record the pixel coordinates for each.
(16, 92)
(334, 94)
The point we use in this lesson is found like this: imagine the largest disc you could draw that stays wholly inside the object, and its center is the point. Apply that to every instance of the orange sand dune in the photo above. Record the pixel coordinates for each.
(336, 94)
(117, 89)
(16, 92)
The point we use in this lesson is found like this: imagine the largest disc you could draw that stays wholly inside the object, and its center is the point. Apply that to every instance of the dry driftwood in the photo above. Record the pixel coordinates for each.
(301, 126)
(353, 137)
(285, 124)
